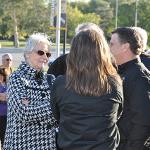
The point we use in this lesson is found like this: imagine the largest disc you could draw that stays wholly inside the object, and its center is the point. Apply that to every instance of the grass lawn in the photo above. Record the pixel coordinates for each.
(10, 43)
(4, 43)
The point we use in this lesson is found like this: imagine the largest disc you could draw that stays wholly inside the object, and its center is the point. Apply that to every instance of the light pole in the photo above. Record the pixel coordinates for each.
(58, 27)
(116, 21)
(136, 8)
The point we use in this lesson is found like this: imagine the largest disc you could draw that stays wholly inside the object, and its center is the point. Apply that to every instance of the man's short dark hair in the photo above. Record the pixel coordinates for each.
(128, 35)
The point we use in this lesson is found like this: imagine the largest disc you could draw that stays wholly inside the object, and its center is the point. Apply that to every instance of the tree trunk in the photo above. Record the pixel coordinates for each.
(16, 41)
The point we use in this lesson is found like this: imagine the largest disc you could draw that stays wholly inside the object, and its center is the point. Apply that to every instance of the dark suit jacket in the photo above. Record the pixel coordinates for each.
(134, 124)
(86, 122)
(58, 67)
(145, 58)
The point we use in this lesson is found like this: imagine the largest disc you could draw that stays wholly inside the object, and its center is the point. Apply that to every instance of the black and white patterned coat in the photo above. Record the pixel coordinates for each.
(29, 127)
(147, 143)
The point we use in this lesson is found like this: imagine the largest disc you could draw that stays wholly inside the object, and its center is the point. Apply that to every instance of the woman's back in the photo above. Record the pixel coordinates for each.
(87, 122)
(87, 102)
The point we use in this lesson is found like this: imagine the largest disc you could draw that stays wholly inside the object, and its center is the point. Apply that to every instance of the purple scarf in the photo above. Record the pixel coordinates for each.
(3, 105)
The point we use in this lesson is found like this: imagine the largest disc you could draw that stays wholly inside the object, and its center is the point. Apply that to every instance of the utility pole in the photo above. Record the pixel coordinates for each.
(116, 21)
(53, 11)
(64, 22)
(136, 12)
(58, 27)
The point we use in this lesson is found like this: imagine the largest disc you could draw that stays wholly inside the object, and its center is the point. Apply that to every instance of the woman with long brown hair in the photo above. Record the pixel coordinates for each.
(87, 101)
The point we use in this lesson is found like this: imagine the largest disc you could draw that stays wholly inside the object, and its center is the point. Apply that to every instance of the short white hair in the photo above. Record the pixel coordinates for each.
(143, 34)
(7, 54)
(35, 39)
(87, 26)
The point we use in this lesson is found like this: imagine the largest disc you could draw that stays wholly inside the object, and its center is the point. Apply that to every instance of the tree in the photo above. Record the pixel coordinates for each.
(144, 16)
(36, 19)
(14, 9)
(101, 8)
(4, 27)
(26, 16)
(126, 15)
(75, 17)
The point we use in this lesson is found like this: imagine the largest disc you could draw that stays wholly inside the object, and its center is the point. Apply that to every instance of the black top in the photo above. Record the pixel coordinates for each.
(145, 58)
(58, 67)
(134, 123)
(86, 122)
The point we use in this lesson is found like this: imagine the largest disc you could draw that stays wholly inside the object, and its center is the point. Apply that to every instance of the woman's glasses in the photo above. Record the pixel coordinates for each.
(8, 59)
(41, 53)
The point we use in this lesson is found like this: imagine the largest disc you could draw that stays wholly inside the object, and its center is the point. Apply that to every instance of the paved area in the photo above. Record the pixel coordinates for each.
(17, 54)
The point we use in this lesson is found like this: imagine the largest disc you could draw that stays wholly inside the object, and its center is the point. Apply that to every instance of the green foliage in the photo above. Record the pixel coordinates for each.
(127, 14)
(144, 16)
(10, 43)
(31, 15)
(4, 27)
(75, 17)
(34, 16)
(102, 9)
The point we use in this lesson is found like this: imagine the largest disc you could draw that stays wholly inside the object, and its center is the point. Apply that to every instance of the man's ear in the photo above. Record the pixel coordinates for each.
(126, 46)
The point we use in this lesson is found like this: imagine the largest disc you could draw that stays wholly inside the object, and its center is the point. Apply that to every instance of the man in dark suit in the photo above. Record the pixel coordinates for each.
(58, 67)
(134, 125)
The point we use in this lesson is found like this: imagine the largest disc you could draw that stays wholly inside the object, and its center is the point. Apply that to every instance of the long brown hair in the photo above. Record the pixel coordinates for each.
(89, 64)
(4, 73)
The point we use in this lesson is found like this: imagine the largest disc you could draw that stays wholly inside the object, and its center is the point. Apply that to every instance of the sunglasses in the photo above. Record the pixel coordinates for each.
(41, 53)
(8, 59)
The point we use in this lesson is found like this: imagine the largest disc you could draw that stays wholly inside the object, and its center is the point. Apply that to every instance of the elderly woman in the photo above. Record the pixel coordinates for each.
(30, 123)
